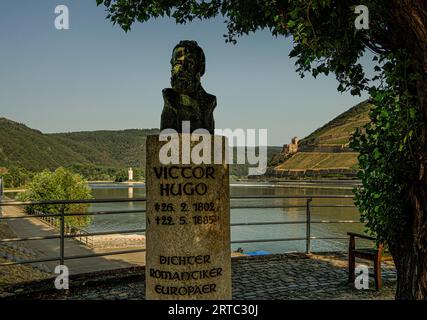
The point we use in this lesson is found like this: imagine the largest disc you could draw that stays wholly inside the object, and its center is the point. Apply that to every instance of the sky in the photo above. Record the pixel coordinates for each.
(95, 76)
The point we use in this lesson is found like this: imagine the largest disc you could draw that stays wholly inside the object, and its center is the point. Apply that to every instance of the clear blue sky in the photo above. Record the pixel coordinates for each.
(94, 76)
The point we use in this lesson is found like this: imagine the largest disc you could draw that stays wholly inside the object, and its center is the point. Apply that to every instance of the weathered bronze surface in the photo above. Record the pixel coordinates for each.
(187, 100)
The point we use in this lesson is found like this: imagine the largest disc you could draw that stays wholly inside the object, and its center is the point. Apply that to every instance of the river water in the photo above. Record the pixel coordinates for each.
(137, 220)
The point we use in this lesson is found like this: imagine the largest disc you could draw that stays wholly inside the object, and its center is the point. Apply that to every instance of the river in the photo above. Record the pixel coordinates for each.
(137, 220)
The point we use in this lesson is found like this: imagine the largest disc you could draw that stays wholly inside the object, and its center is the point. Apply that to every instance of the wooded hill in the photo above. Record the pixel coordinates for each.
(35, 151)
(105, 155)
(97, 155)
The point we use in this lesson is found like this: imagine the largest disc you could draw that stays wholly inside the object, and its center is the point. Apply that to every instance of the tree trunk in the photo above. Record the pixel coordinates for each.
(410, 255)
(411, 276)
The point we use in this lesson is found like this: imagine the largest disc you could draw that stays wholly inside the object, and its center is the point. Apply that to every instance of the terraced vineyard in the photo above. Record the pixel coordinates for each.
(339, 130)
(328, 146)
(318, 160)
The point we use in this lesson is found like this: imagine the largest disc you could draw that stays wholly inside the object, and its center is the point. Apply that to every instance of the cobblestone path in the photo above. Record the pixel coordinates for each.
(285, 276)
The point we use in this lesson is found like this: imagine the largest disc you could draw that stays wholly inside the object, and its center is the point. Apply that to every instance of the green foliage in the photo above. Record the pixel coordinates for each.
(118, 149)
(326, 41)
(16, 177)
(387, 146)
(322, 30)
(59, 185)
(123, 175)
(33, 150)
(97, 155)
(94, 173)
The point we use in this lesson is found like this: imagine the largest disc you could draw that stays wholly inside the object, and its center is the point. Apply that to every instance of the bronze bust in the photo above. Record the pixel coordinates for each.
(187, 100)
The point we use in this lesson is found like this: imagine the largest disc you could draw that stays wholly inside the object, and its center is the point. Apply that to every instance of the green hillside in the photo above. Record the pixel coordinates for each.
(33, 150)
(339, 129)
(108, 148)
(313, 150)
(97, 155)
(105, 155)
(320, 160)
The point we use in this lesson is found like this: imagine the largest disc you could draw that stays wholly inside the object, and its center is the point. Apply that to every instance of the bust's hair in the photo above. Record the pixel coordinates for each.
(194, 48)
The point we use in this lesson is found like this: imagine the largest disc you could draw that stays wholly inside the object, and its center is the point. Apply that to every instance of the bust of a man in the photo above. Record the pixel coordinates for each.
(187, 100)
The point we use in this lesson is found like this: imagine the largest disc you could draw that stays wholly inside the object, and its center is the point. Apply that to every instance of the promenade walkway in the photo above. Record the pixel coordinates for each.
(43, 249)
(285, 276)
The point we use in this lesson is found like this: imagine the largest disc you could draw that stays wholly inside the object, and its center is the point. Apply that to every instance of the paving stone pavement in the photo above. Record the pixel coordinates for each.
(271, 277)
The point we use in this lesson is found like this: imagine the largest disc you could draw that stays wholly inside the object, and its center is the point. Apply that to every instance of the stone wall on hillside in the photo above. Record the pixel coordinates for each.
(274, 173)
(335, 148)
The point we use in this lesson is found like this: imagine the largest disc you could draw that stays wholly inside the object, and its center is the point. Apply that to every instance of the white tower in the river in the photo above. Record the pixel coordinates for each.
(130, 173)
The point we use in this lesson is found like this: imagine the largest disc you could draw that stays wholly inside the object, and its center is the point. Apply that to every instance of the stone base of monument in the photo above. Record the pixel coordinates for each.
(188, 221)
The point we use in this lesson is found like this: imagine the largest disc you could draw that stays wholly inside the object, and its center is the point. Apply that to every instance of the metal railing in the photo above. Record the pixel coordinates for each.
(307, 222)
(84, 237)
(64, 235)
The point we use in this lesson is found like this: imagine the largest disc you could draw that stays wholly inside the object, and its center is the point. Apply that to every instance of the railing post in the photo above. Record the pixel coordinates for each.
(308, 227)
(1, 194)
(1, 188)
(62, 238)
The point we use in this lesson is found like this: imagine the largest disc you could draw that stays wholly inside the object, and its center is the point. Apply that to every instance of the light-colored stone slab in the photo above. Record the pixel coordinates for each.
(188, 228)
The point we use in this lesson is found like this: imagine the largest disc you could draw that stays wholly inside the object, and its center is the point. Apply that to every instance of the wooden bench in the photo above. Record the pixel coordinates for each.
(370, 254)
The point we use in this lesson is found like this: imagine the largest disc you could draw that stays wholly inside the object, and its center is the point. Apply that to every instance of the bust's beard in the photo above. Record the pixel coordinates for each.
(184, 83)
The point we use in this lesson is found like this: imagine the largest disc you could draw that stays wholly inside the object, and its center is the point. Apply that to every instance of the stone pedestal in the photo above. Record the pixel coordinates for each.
(188, 225)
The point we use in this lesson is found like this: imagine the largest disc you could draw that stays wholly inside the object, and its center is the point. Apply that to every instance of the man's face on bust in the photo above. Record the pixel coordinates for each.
(185, 71)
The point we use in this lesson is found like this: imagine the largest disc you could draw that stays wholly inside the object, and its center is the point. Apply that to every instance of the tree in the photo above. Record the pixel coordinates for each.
(393, 149)
(15, 177)
(121, 176)
(61, 184)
